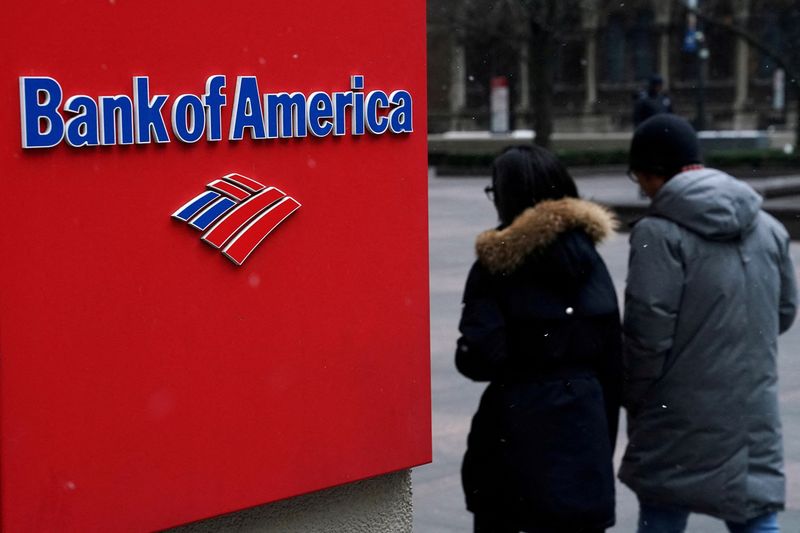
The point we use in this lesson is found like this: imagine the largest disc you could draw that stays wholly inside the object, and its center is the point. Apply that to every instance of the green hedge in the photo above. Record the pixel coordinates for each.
(573, 158)
(753, 158)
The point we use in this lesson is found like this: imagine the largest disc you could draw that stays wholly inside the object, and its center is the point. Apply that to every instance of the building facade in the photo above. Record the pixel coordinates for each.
(605, 52)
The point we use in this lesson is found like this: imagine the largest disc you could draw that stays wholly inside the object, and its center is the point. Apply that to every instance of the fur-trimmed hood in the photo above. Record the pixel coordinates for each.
(538, 227)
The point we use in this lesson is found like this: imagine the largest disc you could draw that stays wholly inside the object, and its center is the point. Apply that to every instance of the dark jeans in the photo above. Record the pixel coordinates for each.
(655, 519)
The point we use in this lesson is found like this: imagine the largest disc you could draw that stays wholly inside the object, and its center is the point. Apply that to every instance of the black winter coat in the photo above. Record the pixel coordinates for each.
(541, 323)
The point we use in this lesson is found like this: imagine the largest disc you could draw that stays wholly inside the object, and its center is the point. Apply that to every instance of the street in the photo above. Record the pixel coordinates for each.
(459, 210)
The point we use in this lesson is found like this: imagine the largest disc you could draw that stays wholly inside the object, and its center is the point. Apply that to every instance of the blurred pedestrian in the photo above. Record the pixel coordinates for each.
(710, 286)
(541, 323)
(651, 101)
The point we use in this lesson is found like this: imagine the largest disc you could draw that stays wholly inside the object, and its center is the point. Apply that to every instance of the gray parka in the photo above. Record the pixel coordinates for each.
(710, 287)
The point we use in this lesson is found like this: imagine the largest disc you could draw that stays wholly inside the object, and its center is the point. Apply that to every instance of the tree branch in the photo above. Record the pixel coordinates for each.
(748, 37)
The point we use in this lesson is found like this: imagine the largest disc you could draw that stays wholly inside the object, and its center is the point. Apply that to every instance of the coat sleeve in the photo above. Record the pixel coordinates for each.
(610, 374)
(652, 299)
(481, 350)
(788, 301)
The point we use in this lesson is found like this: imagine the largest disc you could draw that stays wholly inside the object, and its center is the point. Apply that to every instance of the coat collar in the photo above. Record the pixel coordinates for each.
(538, 227)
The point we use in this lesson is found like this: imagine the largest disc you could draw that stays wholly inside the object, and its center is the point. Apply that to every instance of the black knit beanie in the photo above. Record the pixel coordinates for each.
(662, 145)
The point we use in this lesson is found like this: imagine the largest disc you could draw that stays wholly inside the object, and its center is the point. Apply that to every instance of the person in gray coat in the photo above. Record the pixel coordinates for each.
(710, 287)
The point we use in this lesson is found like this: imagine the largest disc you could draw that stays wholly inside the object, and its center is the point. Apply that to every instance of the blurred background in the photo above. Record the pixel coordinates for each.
(569, 69)
(570, 75)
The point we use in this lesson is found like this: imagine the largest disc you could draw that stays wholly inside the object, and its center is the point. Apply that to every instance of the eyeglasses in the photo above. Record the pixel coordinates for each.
(633, 177)
(489, 190)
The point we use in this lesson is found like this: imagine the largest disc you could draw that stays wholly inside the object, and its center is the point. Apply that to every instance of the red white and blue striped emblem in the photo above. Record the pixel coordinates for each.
(236, 213)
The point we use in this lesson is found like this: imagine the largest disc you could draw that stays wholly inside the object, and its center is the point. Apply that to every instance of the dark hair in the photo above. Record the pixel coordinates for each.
(522, 176)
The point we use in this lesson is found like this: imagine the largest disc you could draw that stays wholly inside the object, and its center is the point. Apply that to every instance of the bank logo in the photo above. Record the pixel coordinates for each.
(236, 213)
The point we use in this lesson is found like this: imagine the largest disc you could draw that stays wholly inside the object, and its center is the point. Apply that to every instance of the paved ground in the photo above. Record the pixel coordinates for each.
(458, 211)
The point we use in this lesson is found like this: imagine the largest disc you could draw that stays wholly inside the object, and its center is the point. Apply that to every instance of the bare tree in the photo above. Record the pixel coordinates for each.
(544, 17)
(517, 22)
(788, 58)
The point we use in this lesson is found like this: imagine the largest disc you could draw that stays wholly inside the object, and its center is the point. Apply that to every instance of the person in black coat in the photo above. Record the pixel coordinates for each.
(541, 324)
(652, 101)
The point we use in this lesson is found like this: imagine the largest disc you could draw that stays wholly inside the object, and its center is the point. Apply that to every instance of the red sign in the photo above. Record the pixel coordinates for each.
(214, 286)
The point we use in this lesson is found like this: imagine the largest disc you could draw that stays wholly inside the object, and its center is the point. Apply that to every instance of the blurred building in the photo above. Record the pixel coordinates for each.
(606, 50)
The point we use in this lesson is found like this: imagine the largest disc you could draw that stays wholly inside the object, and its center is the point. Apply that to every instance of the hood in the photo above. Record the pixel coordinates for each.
(709, 203)
(537, 227)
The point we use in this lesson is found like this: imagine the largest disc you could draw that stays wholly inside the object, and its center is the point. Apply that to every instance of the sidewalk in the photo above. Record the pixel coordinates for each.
(458, 211)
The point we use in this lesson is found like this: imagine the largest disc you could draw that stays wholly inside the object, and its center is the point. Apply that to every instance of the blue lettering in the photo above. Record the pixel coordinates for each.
(289, 110)
(81, 130)
(188, 118)
(320, 113)
(341, 102)
(357, 84)
(116, 117)
(376, 123)
(139, 118)
(400, 118)
(247, 111)
(214, 100)
(147, 112)
(39, 101)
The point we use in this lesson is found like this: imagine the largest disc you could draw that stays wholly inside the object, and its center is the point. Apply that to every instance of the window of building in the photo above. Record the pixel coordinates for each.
(721, 44)
(630, 41)
(643, 41)
(570, 46)
(614, 39)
